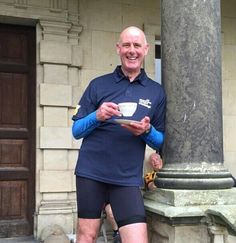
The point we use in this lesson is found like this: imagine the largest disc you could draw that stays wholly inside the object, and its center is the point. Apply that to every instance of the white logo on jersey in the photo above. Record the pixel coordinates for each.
(147, 103)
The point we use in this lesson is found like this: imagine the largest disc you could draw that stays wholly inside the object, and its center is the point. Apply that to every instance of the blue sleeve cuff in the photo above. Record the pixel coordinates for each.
(84, 126)
(154, 138)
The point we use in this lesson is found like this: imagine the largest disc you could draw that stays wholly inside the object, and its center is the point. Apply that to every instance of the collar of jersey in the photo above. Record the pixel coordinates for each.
(141, 78)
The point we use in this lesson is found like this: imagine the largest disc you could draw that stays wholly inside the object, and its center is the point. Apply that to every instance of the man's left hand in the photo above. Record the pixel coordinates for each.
(138, 128)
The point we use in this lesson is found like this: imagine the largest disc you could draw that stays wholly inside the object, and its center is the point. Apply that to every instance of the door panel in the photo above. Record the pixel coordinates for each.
(17, 130)
(13, 203)
(13, 85)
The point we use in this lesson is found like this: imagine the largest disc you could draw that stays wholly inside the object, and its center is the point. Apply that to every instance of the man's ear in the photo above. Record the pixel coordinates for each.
(146, 49)
(117, 49)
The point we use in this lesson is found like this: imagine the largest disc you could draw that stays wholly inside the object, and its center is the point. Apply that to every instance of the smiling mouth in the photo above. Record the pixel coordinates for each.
(132, 58)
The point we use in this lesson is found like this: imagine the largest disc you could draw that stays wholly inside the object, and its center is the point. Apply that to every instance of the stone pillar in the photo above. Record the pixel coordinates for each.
(191, 68)
(60, 58)
(194, 201)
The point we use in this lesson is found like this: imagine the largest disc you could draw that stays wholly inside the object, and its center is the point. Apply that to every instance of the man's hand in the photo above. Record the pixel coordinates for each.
(107, 110)
(138, 128)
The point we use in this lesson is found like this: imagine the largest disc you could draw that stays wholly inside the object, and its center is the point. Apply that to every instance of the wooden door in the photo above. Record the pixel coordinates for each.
(17, 130)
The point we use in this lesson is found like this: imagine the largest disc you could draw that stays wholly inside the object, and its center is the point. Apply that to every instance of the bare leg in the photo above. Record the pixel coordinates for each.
(87, 230)
(110, 217)
(134, 233)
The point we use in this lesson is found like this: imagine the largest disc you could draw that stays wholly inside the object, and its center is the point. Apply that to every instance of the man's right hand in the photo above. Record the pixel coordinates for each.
(107, 110)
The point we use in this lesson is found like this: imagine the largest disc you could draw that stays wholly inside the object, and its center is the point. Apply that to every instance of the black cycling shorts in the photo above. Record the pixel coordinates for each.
(126, 201)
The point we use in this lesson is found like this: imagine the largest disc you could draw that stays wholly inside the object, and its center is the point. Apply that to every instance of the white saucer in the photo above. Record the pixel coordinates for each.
(124, 121)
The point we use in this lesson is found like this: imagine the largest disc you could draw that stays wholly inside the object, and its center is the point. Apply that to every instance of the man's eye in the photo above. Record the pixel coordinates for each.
(137, 45)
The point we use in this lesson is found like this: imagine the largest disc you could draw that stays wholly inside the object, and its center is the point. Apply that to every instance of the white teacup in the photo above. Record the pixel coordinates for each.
(127, 108)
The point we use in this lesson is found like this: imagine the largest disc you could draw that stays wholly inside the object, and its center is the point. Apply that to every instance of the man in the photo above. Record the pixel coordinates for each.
(110, 162)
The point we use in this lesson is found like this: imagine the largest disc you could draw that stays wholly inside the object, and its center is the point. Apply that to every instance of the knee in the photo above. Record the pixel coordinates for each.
(83, 236)
(85, 233)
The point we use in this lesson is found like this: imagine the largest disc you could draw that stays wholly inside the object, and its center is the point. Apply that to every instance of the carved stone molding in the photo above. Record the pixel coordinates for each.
(74, 33)
(58, 5)
(55, 28)
(21, 4)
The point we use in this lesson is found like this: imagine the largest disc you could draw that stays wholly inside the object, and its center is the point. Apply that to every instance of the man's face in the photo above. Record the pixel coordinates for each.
(132, 49)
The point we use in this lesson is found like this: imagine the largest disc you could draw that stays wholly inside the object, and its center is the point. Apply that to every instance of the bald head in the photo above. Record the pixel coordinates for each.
(134, 31)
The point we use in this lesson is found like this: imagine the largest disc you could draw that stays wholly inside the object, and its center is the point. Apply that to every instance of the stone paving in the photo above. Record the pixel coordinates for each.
(19, 240)
(101, 239)
(105, 230)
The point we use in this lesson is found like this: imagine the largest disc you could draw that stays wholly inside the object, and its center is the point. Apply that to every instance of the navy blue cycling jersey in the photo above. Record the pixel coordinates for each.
(110, 153)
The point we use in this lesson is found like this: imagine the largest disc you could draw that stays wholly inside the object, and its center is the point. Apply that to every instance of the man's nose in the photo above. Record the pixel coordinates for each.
(131, 48)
